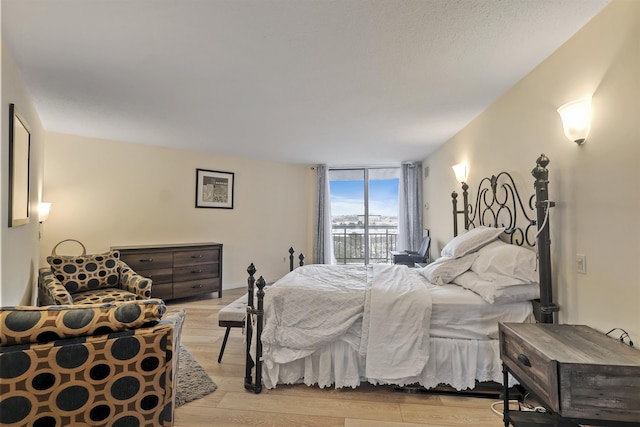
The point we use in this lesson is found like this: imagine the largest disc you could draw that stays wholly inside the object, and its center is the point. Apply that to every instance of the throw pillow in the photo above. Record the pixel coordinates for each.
(86, 272)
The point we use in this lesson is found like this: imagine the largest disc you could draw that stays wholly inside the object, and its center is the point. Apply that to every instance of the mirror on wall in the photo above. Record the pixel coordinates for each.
(19, 150)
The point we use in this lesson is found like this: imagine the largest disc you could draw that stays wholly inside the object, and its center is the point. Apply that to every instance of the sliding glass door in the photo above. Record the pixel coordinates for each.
(364, 214)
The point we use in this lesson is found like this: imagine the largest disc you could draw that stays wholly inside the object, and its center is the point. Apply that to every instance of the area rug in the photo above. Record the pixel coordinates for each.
(193, 381)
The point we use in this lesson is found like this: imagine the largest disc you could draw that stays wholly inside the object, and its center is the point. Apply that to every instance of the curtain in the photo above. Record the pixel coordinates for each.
(410, 207)
(323, 246)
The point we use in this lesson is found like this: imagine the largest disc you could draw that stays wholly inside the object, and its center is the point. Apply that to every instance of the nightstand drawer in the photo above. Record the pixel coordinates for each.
(578, 372)
(530, 366)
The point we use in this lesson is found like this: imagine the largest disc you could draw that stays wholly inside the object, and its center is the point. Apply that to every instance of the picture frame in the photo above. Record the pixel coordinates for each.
(19, 166)
(214, 189)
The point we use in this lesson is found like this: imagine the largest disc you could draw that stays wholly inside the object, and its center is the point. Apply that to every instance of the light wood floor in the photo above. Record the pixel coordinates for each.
(299, 405)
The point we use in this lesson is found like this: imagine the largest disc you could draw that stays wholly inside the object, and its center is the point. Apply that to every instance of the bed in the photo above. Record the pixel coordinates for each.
(338, 326)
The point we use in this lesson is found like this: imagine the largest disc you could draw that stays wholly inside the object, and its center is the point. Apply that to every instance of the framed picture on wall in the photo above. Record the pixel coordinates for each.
(214, 189)
(19, 159)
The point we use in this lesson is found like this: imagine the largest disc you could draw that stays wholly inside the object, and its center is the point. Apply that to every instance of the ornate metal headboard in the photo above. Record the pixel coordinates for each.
(499, 204)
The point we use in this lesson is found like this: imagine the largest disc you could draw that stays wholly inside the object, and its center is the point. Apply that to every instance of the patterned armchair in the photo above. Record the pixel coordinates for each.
(89, 279)
(103, 364)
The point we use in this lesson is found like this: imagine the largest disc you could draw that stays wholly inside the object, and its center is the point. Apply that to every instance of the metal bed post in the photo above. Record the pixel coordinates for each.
(257, 309)
(257, 387)
(248, 361)
(465, 208)
(543, 205)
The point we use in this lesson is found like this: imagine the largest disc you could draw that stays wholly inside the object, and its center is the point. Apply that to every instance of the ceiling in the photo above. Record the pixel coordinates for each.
(341, 82)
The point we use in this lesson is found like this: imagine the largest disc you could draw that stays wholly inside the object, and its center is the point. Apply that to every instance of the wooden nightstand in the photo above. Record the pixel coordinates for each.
(578, 374)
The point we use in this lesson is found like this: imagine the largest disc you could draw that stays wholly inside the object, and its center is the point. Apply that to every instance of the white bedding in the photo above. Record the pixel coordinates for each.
(315, 306)
(461, 313)
(396, 321)
(339, 325)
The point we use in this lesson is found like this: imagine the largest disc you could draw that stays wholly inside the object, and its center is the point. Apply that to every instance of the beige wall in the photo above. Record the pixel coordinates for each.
(19, 248)
(594, 185)
(107, 193)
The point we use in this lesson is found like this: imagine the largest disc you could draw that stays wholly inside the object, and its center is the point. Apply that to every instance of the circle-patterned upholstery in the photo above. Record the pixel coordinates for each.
(103, 295)
(24, 325)
(130, 286)
(116, 379)
(86, 272)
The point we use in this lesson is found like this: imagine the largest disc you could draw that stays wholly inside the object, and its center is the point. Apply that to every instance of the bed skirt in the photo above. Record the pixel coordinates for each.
(458, 363)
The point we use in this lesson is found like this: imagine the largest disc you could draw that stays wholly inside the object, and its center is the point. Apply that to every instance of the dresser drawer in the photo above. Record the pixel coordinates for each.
(140, 261)
(193, 272)
(195, 287)
(162, 291)
(530, 366)
(195, 257)
(159, 276)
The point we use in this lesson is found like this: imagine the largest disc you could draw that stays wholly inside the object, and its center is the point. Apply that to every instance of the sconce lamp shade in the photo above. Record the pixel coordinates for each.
(576, 119)
(461, 171)
(45, 208)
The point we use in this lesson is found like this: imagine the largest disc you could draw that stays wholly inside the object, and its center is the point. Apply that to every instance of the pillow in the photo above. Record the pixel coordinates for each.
(470, 241)
(444, 270)
(502, 259)
(24, 325)
(501, 290)
(86, 272)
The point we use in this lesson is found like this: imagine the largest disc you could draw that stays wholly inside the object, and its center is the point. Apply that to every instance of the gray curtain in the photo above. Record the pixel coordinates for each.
(323, 246)
(410, 207)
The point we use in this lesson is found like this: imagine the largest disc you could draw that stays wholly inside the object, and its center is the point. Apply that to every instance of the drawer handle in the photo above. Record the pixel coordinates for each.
(196, 271)
(147, 260)
(196, 256)
(197, 286)
(524, 360)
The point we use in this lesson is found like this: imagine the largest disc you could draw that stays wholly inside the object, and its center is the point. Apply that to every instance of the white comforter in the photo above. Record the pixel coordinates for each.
(381, 311)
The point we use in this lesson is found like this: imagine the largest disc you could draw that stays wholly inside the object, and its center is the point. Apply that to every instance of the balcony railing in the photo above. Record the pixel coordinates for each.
(349, 243)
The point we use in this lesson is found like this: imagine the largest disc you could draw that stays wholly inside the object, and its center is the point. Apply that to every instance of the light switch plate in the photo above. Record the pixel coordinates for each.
(581, 263)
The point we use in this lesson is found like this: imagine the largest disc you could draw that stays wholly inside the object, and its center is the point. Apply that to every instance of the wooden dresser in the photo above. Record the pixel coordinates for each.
(177, 270)
(579, 374)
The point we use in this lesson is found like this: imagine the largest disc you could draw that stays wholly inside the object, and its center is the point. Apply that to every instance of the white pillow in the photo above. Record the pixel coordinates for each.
(444, 270)
(470, 241)
(503, 259)
(502, 290)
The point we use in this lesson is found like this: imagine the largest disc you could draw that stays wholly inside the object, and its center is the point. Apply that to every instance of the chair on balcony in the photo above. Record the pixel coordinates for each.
(411, 258)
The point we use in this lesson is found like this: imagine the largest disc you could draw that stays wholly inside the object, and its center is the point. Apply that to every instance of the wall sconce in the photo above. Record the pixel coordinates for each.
(461, 172)
(576, 119)
(43, 212)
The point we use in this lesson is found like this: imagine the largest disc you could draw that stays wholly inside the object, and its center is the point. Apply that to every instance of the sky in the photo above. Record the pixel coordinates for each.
(347, 197)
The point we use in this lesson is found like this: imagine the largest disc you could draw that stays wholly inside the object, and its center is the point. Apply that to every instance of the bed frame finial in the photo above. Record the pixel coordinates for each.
(291, 252)
(291, 257)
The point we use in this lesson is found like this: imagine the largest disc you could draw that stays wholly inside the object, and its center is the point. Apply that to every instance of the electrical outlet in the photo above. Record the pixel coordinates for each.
(581, 263)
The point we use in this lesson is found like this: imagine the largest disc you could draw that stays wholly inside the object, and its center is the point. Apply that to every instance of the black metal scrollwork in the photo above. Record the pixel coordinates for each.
(498, 204)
